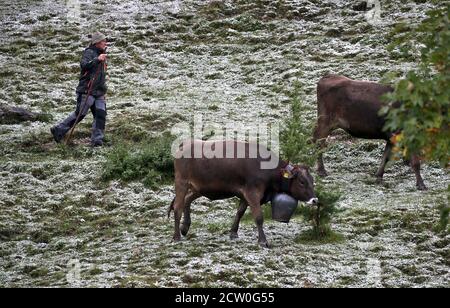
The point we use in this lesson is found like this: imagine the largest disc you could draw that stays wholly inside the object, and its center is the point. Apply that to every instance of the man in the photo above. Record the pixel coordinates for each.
(91, 92)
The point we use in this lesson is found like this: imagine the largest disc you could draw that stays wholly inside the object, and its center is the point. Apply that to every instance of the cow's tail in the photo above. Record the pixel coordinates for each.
(170, 209)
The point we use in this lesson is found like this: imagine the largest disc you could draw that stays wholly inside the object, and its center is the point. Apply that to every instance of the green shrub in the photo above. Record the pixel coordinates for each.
(296, 138)
(150, 161)
(423, 117)
(320, 217)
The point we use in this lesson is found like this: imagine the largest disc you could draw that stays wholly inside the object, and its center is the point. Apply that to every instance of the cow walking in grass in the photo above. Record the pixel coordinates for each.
(226, 177)
(354, 107)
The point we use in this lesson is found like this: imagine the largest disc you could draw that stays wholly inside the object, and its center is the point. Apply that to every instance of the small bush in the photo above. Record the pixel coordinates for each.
(320, 217)
(296, 137)
(150, 161)
(152, 179)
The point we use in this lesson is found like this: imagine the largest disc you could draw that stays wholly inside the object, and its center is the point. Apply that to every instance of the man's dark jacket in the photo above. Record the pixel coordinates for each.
(92, 68)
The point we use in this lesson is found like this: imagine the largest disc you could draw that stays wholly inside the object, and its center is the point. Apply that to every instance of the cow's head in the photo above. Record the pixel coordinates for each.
(302, 185)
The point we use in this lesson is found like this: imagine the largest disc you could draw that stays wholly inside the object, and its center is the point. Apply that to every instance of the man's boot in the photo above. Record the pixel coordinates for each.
(57, 137)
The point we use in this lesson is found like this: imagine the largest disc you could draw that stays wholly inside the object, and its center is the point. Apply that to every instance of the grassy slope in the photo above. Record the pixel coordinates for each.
(234, 62)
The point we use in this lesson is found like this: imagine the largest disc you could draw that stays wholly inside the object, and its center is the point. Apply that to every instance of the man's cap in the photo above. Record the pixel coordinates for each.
(97, 37)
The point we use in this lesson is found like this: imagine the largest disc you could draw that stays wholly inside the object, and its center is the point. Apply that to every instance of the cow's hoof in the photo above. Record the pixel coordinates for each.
(422, 187)
(176, 239)
(233, 235)
(184, 230)
(379, 180)
(264, 244)
(322, 173)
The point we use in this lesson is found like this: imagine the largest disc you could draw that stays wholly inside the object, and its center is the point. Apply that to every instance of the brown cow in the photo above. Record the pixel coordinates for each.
(354, 107)
(236, 176)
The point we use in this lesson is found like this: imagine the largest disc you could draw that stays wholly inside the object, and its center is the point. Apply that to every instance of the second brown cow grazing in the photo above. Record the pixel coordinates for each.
(237, 176)
(354, 107)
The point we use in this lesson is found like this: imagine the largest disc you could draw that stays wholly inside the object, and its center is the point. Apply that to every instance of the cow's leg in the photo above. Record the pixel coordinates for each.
(253, 199)
(234, 229)
(386, 156)
(415, 165)
(191, 197)
(321, 133)
(181, 189)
